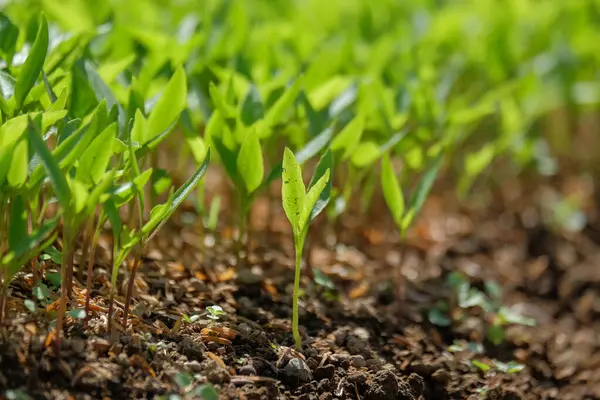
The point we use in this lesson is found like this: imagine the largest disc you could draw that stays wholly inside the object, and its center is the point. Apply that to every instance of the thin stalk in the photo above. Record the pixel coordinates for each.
(88, 234)
(63, 293)
(241, 228)
(90, 269)
(200, 208)
(70, 270)
(4, 297)
(3, 229)
(138, 259)
(112, 289)
(295, 330)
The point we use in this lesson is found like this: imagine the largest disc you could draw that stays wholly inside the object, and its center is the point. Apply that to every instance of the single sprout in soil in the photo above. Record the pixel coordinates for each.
(301, 208)
(403, 216)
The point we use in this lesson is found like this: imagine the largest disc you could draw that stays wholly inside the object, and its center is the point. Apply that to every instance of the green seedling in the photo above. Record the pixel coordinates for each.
(215, 312)
(301, 208)
(402, 214)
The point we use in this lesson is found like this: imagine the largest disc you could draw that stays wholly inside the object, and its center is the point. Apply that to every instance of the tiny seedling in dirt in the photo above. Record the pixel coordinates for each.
(402, 215)
(465, 297)
(215, 312)
(301, 208)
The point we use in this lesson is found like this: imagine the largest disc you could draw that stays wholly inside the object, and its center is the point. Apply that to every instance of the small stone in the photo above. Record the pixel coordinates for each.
(324, 386)
(361, 333)
(325, 372)
(358, 361)
(248, 370)
(374, 364)
(340, 336)
(194, 366)
(326, 396)
(298, 369)
(312, 363)
(441, 376)
(101, 345)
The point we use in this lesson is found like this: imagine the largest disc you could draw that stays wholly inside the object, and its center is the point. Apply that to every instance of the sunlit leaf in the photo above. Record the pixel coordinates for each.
(33, 65)
(293, 190)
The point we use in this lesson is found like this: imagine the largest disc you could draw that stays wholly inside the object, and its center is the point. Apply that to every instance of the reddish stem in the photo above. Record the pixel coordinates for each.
(136, 263)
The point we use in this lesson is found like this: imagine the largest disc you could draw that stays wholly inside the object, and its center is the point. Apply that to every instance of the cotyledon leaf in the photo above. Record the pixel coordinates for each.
(292, 191)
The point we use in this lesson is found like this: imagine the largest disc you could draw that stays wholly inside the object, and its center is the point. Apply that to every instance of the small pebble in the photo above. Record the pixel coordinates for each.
(248, 370)
(298, 369)
(325, 372)
(194, 366)
(324, 386)
(358, 361)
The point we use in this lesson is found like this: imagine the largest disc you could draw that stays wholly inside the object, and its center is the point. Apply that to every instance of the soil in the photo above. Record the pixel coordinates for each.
(359, 340)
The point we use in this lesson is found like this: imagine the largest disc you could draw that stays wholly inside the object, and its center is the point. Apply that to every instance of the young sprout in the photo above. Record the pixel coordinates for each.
(394, 198)
(301, 208)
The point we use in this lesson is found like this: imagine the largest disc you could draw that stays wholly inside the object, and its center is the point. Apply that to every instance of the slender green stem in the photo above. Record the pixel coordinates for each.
(295, 330)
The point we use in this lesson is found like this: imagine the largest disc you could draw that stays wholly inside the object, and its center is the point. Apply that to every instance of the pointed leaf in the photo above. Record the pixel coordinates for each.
(170, 105)
(312, 197)
(219, 101)
(33, 65)
(292, 191)
(277, 112)
(349, 137)
(228, 157)
(250, 162)
(17, 229)
(17, 174)
(94, 161)
(391, 190)
(59, 182)
(422, 191)
(182, 193)
(252, 107)
(325, 165)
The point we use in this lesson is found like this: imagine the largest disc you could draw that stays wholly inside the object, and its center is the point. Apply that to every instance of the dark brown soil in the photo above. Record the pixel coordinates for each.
(360, 342)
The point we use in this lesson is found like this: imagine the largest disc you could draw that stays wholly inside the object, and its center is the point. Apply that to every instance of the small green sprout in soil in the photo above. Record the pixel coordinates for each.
(301, 207)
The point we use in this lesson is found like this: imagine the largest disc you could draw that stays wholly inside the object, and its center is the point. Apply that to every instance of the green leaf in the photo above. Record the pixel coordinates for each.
(102, 91)
(7, 85)
(312, 148)
(366, 154)
(192, 137)
(293, 191)
(17, 228)
(94, 160)
(277, 112)
(182, 193)
(253, 108)
(496, 334)
(422, 190)
(30, 305)
(79, 195)
(9, 33)
(250, 162)
(481, 365)
(438, 317)
(391, 190)
(33, 65)
(32, 241)
(77, 313)
(228, 157)
(17, 174)
(311, 199)
(349, 137)
(59, 181)
(219, 101)
(95, 195)
(324, 166)
(206, 391)
(169, 106)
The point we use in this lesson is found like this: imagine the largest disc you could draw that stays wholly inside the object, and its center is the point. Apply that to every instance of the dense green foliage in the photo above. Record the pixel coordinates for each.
(87, 98)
